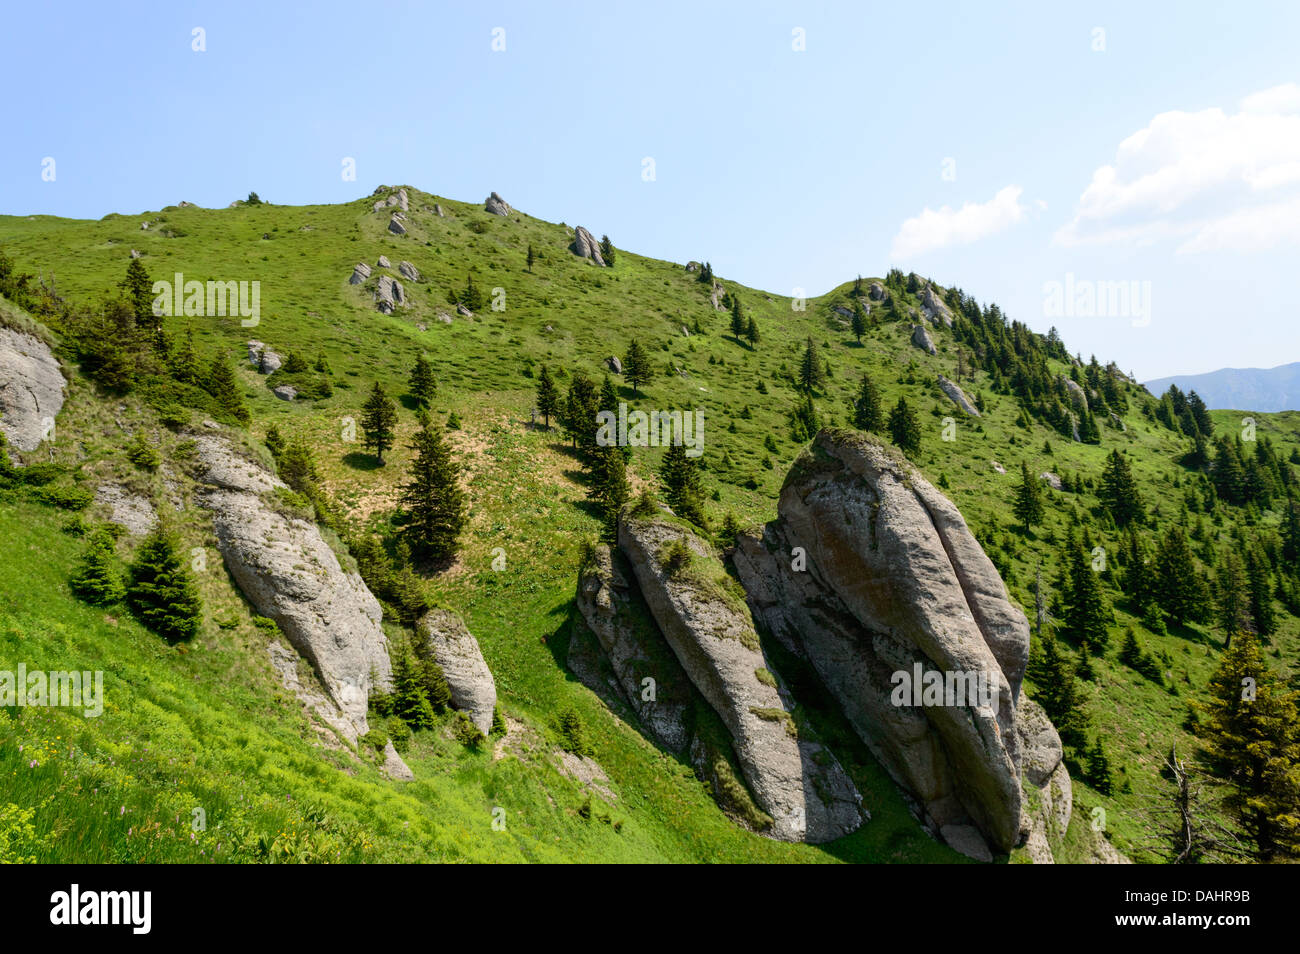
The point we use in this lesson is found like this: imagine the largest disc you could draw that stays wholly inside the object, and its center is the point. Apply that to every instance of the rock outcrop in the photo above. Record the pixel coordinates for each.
(389, 293)
(408, 271)
(31, 389)
(263, 358)
(1078, 399)
(584, 246)
(934, 309)
(872, 575)
(360, 272)
(396, 227)
(634, 649)
(795, 781)
(958, 396)
(497, 205)
(456, 651)
(876, 291)
(921, 338)
(614, 364)
(383, 262)
(288, 572)
(130, 510)
(1046, 781)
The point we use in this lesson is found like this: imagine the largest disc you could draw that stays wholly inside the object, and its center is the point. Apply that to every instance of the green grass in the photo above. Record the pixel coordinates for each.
(525, 502)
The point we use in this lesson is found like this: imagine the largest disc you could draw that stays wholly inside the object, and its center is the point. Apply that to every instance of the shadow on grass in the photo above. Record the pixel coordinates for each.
(361, 461)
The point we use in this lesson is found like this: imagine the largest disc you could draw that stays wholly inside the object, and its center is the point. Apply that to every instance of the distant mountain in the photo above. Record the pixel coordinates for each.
(1240, 389)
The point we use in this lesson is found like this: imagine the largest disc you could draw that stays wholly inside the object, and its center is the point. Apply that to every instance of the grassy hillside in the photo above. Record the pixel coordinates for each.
(207, 725)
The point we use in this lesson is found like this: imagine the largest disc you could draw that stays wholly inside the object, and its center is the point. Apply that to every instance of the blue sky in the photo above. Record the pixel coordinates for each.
(786, 168)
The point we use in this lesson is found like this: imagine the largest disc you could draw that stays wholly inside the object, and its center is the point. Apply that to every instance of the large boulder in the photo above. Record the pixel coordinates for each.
(935, 309)
(389, 293)
(288, 572)
(873, 576)
(1078, 398)
(449, 642)
(706, 623)
(921, 338)
(497, 205)
(635, 650)
(584, 246)
(360, 272)
(876, 291)
(263, 358)
(31, 389)
(408, 271)
(395, 226)
(958, 396)
(1046, 782)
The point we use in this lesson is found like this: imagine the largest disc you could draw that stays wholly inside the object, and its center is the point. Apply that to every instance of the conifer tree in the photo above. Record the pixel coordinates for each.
(160, 589)
(682, 486)
(751, 332)
(607, 250)
(1231, 596)
(138, 288)
(637, 367)
(1263, 619)
(423, 383)
(96, 578)
(1119, 491)
(185, 366)
(738, 325)
(1087, 614)
(224, 387)
(531, 256)
(433, 508)
(859, 321)
(811, 375)
(1059, 696)
(904, 428)
(548, 396)
(1028, 506)
(378, 420)
(1252, 742)
(1179, 590)
(578, 414)
(275, 444)
(866, 406)
(411, 701)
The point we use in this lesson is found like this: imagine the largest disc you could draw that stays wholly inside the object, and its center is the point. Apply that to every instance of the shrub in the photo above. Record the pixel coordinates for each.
(65, 497)
(96, 578)
(573, 733)
(466, 732)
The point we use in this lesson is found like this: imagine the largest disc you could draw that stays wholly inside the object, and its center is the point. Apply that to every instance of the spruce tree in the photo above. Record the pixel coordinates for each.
(609, 484)
(738, 324)
(1087, 614)
(811, 375)
(1260, 588)
(411, 701)
(607, 250)
(1028, 506)
(548, 396)
(224, 388)
(1252, 742)
(866, 406)
(904, 428)
(275, 444)
(185, 366)
(160, 589)
(637, 367)
(423, 383)
(578, 414)
(433, 507)
(1231, 596)
(96, 578)
(1119, 491)
(1179, 590)
(859, 321)
(531, 256)
(378, 420)
(751, 332)
(138, 288)
(1291, 531)
(682, 486)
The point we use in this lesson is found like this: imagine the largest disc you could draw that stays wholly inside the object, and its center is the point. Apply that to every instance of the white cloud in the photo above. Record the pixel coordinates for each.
(1199, 177)
(940, 228)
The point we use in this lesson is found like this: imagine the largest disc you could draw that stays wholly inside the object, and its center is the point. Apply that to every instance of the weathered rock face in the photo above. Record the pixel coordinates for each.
(876, 291)
(408, 271)
(958, 396)
(1051, 479)
(934, 308)
(360, 272)
(921, 338)
(383, 262)
(285, 392)
(1077, 396)
(263, 358)
(394, 767)
(473, 689)
(890, 578)
(1046, 781)
(799, 783)
(497, 205)
(31, 389)
(634, 652)
(614, 364)
(389, 293)
(396, 227)
(130, 510)
(288, 572)
(584, 246)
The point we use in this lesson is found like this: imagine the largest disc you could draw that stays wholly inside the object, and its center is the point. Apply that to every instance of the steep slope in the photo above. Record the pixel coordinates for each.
(530, 522)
